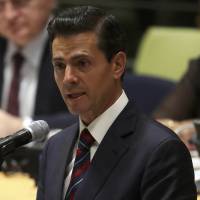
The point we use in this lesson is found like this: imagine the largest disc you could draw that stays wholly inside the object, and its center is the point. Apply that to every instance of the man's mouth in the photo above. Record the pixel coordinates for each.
(75, 95)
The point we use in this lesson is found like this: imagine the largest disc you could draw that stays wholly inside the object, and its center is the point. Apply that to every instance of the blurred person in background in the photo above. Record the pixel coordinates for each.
(25, 65)
(179, 109)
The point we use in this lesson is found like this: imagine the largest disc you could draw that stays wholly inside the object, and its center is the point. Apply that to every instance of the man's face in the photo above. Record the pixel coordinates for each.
(22, 20)
(89, 84)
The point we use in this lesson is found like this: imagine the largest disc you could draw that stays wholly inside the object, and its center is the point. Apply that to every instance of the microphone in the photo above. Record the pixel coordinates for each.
(36, 131)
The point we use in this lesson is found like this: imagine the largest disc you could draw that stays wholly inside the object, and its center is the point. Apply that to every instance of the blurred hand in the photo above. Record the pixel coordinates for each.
(9, 124)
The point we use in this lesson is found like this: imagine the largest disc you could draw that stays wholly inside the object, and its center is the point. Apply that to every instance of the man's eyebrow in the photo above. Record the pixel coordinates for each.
(78, 56)
(74, 57)
(57, 59)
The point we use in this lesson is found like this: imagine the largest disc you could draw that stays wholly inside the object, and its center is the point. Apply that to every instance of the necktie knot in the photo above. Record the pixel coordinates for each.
(18, 59)
(86, 139)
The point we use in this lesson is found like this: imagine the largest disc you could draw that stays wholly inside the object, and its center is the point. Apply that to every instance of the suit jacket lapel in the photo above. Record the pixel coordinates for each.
(108, 155)
(63, 157)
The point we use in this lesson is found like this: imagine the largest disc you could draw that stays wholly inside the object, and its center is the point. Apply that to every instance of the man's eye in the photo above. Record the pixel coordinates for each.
(58, 66)
(83, 63)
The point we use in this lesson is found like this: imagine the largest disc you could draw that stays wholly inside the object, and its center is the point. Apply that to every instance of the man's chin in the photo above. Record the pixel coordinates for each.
(73, 111)
(76, 111)
(20, 39)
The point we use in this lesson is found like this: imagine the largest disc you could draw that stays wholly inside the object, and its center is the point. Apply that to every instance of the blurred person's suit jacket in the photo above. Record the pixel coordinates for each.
(49, 105)
(184, 101)
(137, 159)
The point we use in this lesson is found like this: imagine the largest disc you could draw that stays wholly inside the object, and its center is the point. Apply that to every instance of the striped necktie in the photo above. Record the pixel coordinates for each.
(81, 164)
(13, 99)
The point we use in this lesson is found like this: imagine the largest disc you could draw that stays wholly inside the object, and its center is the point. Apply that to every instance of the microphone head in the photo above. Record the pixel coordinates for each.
(39, 130)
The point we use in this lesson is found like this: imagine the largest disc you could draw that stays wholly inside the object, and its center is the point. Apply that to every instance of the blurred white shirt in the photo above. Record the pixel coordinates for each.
(33, 53)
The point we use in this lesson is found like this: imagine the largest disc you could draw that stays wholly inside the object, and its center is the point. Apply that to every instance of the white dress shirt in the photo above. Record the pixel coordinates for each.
(29, 74)
(98, 129)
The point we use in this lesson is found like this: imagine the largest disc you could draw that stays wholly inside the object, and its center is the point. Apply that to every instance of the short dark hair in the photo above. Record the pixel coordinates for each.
(75, 20)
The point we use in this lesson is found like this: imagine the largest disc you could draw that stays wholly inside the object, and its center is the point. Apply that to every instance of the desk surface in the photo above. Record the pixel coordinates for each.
(17, 186)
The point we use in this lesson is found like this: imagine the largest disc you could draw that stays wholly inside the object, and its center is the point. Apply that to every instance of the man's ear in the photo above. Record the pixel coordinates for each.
(119, 63)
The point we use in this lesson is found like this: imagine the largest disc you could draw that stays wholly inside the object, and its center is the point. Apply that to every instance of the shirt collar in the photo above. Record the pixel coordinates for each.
(99, 127)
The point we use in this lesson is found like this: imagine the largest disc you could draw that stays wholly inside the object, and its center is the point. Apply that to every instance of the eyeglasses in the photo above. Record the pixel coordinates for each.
(15, 3)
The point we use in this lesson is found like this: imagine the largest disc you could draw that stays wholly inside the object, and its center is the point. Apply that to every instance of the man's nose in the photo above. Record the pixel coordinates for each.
(10, 11)
(70, 75)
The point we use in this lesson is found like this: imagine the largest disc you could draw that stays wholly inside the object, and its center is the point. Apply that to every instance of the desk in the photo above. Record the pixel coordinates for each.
(17, 186)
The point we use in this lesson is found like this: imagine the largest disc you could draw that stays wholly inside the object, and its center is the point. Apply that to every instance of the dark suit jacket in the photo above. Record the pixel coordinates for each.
(49, 104)
(137, 159)
(183, 102)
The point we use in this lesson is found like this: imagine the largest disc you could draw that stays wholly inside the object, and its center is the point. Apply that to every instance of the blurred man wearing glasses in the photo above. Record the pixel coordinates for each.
(23, 33)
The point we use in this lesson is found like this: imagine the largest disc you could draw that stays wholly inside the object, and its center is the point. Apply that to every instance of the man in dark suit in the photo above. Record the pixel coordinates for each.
(23, 30)
(114, 152)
